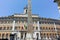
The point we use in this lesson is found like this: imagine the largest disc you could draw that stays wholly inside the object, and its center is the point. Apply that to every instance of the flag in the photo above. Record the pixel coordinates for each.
(25, 26)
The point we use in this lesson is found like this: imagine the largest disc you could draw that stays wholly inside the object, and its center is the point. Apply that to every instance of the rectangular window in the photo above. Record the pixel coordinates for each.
(36, 28)
(0, 28)
(21, 35)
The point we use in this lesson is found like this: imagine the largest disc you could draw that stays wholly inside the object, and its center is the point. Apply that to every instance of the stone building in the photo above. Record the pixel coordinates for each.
(15, 27)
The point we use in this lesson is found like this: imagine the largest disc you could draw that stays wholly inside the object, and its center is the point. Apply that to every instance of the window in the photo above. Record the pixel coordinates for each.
(37, 35)
(22, 27)
(39, 22)
(21, 35)
(25, 35)
(0, 35)
(47, 33)
(49, 28)
(40, 27)
(46, 28)
(1, 22)
(0, 28)
(44, 34)
(58, 34)
(52, 28)
(10, 22)
(43, 27)
(11, 28)
(16, 27)
(18, 22)
(3, 35)
(41, 34)
(4, 28)
(33, 27)
(7, 28)
(53, 33)
(19, 27)
(7, 35)
(36, 28)
(50, 33)
(22, 21)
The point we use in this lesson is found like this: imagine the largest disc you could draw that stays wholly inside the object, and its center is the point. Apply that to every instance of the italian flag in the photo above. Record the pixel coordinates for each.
(25, 26)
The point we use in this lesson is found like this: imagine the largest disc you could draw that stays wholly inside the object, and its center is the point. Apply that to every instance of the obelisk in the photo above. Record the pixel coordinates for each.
(29, 35)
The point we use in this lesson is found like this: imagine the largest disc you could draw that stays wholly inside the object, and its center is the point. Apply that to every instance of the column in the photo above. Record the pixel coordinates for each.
(39, 36)
(50, 38)
(29, 36)
(46, 38)
(38, 29)
(18, 36)
(23, 36)
(38, 25)
(55, 29)
(13, 25)
(34, 36)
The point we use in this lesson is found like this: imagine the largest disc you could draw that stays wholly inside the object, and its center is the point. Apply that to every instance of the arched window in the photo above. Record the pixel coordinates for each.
(37, 35)
(3, 35)
(11, 28)
(21, 35)
(46, 28)
(47, 34)
(7, 35)
(44, 34)
(41, 34)
(4, 28)
(0, 28)
(40, 27)
(15, 27)
(49, 28)
(50, 34)
(43, 27)
(54, 28)
(36, 28)
(19, 27)
(22, 27)
(0, 35)
(7, 28)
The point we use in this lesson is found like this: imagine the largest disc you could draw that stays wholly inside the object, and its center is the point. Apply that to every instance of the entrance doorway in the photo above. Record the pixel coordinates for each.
(37, 36)
(12, 36)
(4, 39)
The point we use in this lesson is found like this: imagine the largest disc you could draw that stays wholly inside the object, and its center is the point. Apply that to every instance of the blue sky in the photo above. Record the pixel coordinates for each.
(44, 8)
